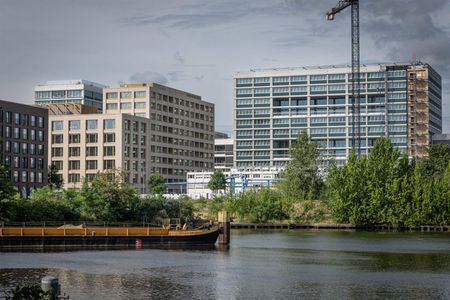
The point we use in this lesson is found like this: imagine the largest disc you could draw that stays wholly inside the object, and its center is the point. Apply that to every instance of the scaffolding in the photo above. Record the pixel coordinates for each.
(418, 111)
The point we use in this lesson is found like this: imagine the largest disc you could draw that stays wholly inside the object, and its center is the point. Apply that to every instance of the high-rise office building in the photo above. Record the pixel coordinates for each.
(271, 107)
(62, 92)
(23, 145)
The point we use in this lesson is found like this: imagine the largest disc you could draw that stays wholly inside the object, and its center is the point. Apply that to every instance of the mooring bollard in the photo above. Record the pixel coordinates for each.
(50, 283)
(225, 227)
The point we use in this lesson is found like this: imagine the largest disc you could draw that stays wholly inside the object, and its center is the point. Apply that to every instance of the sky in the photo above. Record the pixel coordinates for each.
(198, 46)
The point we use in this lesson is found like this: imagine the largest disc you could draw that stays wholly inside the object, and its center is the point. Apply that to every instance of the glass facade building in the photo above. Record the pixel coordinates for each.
(70, 92)
(271, 107)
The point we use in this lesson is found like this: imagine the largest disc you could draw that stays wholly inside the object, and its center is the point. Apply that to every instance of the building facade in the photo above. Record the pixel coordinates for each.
(70, 92)
(23, 145)
(238, 181)
(82, 145)
(223, 153)
(441, 139)
(271, 107)
(181, 126)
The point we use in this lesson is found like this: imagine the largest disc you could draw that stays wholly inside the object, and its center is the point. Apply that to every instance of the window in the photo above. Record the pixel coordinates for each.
(262, 101)
(140, 104)
(24, 134)
(24, 176)
(16, 147)
(126, 105)
(57, 152)
(109, 151)
(58, 94)
(40, 122)
(57, 125)
(74, 165)
(74, 178)
(262, 81)
(74, 94)
(91, 151)
(244, 81)
(243, 92)
(74, 125)
(40, 149)
(74, 138)
(126, 95)
(91, 164)
(24, 148)
(40, 136)
(43, 95)
(91, 138)
(280, 80)
(109, 123)
(140, 94)
(91, 124)
(112, 95)
(109, 137)
(58, 164)
(74, 151)
(109, 164)
(111, 106)
(298, 90)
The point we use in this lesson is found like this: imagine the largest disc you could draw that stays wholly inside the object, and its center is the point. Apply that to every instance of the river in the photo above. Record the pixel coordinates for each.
(288, 264)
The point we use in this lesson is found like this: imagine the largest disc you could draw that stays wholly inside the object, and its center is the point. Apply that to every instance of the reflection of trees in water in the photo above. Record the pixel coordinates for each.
(169, 283)
(418, 262)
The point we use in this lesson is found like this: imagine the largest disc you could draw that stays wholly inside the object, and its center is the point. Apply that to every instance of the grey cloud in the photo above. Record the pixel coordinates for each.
(149, 76)
(211, 13)
(178, 58)
(200, 77)
(176, 75)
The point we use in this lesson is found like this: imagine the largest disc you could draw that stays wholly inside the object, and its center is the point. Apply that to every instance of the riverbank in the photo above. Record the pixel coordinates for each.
(423, 228)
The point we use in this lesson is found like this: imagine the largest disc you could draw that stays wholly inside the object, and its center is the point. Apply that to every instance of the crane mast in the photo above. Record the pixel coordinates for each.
(356, 106)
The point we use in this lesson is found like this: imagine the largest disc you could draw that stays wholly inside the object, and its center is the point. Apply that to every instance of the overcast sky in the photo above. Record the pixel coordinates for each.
(198, 45)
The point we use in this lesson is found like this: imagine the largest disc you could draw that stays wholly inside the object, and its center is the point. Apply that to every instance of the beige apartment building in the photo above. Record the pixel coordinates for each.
(181, 128)
(84, 144)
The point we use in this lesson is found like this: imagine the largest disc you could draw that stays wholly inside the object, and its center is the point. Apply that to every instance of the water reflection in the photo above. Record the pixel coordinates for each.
(269, 265)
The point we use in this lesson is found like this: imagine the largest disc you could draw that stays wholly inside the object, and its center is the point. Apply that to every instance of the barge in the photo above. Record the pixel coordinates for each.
(22, 238)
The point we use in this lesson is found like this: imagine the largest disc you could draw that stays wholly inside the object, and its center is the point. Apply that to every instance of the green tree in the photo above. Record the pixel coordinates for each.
(109, 198)
(54, 179)
(301, 178)
(217, 181)
(7, 194)
(156, 184)
(437, 160)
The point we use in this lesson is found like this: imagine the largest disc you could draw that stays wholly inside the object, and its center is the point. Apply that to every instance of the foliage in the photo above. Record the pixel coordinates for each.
(54, 179)
(109, 197)
(437, 161)
(30, 292)
(302, 180)
(156, 184)
(217, 181)
(385, 188)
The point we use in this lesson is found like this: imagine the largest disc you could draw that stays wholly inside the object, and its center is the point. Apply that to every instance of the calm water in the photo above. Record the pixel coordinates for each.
(258, 265)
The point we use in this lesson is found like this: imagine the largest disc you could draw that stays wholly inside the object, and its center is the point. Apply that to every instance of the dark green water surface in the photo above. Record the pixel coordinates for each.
(295, 264)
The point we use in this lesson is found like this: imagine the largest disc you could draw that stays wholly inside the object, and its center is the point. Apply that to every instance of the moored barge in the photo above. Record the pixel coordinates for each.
(22, 238)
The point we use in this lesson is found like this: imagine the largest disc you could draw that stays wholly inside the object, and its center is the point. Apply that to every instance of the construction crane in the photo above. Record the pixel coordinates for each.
(356, 130)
